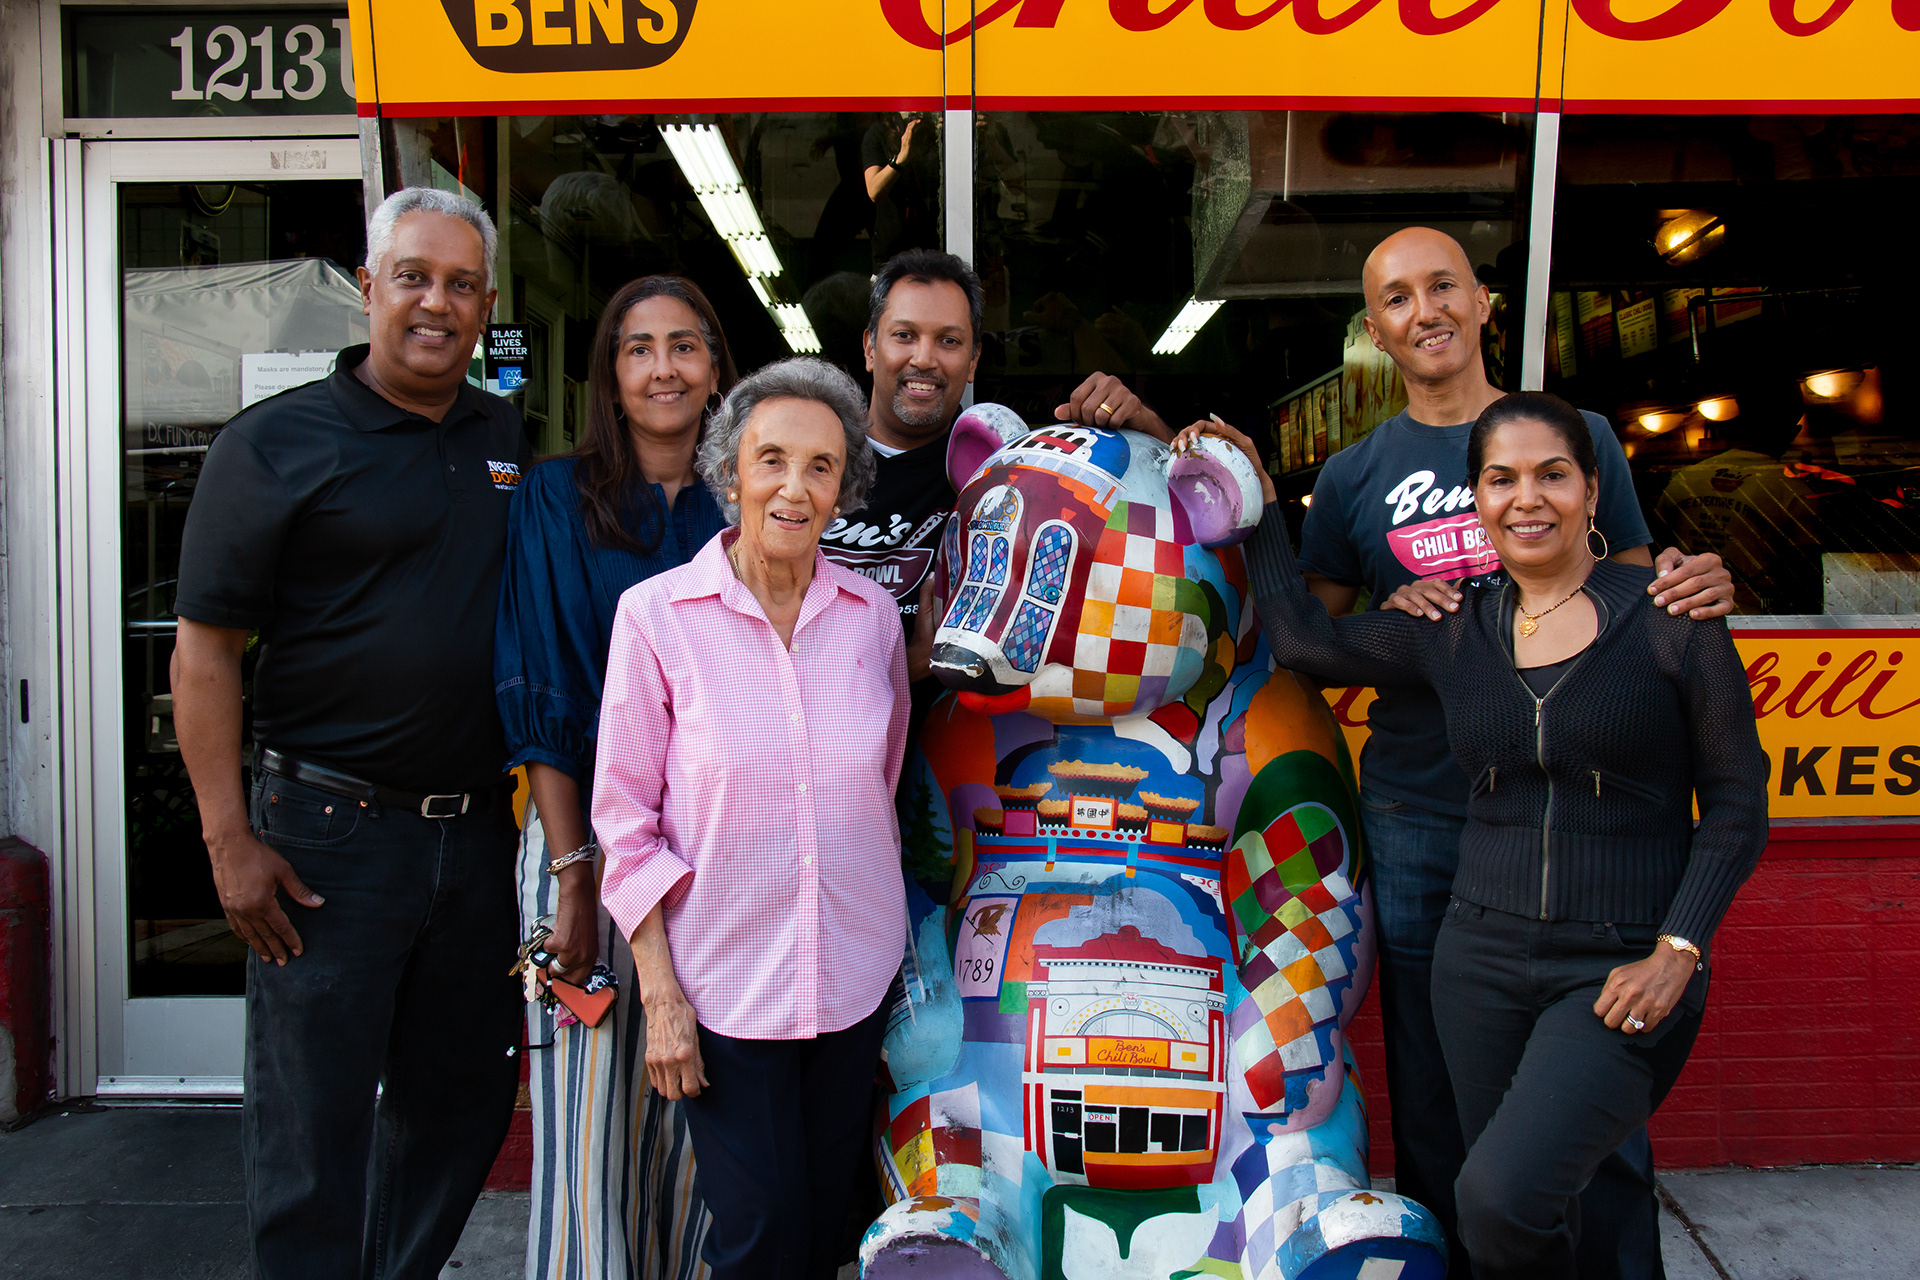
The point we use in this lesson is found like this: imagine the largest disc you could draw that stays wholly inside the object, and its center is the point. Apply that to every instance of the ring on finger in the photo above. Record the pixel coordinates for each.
(1634, 1024)
(1105, 408)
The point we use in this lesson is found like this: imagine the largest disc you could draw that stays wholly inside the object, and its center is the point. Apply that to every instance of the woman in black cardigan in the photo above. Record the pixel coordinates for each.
(1571, 973)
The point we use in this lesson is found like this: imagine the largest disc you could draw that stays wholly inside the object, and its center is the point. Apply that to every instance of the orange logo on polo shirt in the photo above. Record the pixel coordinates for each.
(506, 475)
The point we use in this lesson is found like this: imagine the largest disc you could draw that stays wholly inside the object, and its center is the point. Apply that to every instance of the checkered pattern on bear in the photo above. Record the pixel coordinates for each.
(1052, 553)
(977, 558)
(1026, 637)
(997, 562)
(1287, 1182)
(982, 609)
(1131, 620)
(1295, 911)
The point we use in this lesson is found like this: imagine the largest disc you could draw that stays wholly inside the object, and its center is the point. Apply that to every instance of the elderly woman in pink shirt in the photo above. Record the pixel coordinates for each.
(750, 739)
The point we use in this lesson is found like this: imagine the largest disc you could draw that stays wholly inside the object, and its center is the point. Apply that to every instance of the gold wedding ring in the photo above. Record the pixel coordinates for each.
(1106, 406)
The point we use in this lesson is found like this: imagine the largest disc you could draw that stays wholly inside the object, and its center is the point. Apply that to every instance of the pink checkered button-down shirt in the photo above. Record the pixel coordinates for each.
(750, 787)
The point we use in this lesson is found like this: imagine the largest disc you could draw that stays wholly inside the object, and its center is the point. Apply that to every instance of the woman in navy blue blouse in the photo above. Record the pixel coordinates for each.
(613, 1176)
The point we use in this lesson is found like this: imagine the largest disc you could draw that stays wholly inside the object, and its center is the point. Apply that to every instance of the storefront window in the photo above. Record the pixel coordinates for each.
(767, 211)
(1725, 292)
(1213, 258)
(230, 292)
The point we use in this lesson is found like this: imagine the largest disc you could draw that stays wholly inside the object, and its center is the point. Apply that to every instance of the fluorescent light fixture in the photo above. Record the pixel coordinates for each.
(703, 157)
(795, 328)
(1191, 319)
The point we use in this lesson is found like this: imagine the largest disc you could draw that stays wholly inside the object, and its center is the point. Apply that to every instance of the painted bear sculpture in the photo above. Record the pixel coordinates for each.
(1139, 909)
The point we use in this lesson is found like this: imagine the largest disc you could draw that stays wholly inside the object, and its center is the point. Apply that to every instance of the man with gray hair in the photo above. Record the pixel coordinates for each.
(357, 524)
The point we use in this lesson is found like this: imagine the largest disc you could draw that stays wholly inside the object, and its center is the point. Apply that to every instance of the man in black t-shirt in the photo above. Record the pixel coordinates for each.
(358, 525)
(923, 347)
(1394, 514)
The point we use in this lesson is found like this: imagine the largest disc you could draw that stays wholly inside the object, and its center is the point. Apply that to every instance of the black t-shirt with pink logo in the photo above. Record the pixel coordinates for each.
(1396, 508)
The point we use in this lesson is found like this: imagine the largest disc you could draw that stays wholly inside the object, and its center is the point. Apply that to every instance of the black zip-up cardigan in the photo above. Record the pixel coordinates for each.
(1582, 801)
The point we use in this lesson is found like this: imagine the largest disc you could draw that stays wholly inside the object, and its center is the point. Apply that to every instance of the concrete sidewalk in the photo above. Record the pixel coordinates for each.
(153, 1193)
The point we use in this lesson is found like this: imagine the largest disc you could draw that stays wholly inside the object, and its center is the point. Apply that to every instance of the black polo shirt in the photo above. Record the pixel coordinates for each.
(364, 542)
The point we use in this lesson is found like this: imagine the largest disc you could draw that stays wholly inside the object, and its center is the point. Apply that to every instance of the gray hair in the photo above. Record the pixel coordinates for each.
(800, 378)
(385, 219)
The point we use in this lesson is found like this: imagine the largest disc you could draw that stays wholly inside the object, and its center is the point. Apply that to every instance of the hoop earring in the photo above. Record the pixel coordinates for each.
(1593, 532)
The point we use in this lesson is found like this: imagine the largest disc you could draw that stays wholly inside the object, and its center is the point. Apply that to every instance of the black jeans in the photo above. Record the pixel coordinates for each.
(382, 1061)
(1546, 1092)
(777, 1139)
(1415, 854)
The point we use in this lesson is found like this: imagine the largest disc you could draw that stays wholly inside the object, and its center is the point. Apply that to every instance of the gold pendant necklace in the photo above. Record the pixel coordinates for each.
(1530, 622)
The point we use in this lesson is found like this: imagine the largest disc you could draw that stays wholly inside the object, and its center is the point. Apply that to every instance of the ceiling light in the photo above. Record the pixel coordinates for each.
(1686, 235)
(702, 155)
(796, 328)
(1306, 499)
(1832, 384)
(1720, 409)
(1661, 420)
(1192, 318)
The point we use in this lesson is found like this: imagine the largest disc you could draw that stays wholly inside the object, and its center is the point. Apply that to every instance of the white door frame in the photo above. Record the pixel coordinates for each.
(162, 1046)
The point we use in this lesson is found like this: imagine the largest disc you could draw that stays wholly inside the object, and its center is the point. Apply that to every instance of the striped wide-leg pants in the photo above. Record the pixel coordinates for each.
(613, 1187)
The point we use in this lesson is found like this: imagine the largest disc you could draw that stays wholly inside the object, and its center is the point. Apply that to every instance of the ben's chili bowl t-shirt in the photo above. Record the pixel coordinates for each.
(893, 538)
(1396, 508)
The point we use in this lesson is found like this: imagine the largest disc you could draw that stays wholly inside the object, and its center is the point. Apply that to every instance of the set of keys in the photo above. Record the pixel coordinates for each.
(568, 1002)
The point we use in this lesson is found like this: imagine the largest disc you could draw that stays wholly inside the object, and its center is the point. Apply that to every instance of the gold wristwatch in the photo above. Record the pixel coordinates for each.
(1679, 943)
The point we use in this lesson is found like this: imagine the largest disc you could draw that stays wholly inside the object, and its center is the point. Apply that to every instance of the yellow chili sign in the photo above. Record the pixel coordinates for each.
(422, 57)
(1839, 717)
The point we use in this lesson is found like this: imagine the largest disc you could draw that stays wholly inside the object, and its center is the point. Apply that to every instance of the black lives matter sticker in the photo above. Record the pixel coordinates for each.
(570, 35)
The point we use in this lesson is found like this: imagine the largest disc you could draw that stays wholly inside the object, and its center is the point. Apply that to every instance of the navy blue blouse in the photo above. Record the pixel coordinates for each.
(557, 598)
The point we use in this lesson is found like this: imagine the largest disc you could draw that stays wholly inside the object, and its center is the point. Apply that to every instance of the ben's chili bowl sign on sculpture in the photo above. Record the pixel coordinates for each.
(1839, 717)
(506, 56)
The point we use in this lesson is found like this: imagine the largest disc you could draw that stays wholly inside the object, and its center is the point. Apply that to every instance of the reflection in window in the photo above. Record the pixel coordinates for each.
(767, 211)
(1724, 293)
(1096, 230)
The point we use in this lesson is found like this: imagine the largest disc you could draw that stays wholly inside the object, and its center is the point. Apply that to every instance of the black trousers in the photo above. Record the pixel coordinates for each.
(777, 1139)
(382, 1062)
(1545, 1091)
(1415, 854)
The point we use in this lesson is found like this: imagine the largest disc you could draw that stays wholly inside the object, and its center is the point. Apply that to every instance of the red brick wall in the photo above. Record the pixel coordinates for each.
(1809, 1050)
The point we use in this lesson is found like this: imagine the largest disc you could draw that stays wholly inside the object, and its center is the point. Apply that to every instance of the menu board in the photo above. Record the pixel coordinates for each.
(1639, 328)
(1562, 358)
(1595, 310)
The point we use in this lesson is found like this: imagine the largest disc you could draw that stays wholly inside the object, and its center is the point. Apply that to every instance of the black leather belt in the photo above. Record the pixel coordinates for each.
(332, 781)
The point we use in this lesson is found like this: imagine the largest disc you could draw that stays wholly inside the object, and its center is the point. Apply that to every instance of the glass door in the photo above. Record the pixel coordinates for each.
(220, 274)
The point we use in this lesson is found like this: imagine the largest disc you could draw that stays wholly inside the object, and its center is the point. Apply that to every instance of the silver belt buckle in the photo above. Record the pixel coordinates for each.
(464, 798)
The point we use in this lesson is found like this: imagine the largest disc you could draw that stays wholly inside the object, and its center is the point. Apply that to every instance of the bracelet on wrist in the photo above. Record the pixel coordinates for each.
(583, 854)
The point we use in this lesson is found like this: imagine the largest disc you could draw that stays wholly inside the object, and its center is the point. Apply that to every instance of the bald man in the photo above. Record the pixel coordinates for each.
(1393, 514)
